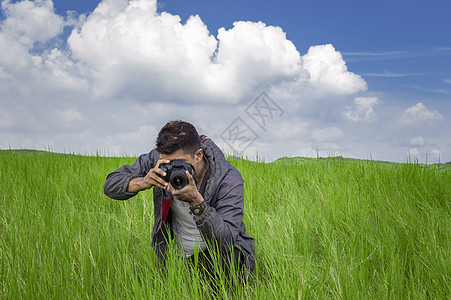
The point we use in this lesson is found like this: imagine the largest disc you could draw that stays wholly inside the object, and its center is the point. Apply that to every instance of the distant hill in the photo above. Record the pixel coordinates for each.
(30, 152)
(300, 160)
(282, 160)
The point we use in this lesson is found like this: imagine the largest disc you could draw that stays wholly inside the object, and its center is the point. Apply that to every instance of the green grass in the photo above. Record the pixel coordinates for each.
(324, 228)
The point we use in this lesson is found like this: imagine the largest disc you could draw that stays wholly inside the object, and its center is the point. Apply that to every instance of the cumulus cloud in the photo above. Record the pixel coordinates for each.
(328, 71)
(126, 49)
(135, 50)
(31, 21)
(256, 56)
(419, 112)
(132, 49)
(26, 23)
(28, 64)
(361, 110)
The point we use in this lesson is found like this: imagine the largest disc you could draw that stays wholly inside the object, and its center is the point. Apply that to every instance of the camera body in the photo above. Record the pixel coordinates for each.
(175, 173)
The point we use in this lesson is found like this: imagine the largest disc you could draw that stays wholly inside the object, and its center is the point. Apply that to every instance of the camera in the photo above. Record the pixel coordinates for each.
(175, 173)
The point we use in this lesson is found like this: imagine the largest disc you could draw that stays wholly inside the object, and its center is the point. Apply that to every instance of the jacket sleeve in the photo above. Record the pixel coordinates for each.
(222, 222)
(116, 183)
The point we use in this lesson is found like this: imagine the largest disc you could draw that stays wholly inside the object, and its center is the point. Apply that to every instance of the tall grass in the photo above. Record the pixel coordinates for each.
(324, 228)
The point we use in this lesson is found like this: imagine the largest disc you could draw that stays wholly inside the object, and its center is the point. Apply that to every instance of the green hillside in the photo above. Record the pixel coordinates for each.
(324, 228)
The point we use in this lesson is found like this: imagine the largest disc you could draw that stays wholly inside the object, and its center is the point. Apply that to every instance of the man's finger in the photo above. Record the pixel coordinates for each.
(157, 180)
(158, 171)
(162, 184)
(190, 178)
(162, 161)
(170, 189)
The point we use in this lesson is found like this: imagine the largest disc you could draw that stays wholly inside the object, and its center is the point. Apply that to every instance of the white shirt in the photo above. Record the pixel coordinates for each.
(187, 236)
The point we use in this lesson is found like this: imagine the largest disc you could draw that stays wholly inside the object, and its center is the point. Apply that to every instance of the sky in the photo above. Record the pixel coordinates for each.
(263, 79)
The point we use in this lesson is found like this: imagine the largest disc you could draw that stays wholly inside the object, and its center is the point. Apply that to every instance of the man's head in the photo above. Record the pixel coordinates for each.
(179, 139)
(178, 135)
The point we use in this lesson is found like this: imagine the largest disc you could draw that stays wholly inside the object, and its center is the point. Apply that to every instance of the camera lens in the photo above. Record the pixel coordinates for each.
(179, 181)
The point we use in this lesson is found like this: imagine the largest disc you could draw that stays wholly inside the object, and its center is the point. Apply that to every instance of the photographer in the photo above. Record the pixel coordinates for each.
(198, 197)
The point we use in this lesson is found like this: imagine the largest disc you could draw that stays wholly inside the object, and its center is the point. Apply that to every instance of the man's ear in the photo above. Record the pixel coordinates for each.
(198, 155)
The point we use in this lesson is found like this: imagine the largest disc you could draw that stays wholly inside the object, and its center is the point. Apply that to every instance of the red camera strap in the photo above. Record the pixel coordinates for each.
(165, 209)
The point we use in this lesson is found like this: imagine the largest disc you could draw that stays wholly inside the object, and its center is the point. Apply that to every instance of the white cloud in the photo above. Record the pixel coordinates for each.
(31, 21)
(146, 53)
(131, 49)
(418, 141)
(419, 112)
(328, 71)
(25, 24)
(327, 134)
(29, 25)
(361, 110)
(254, 55)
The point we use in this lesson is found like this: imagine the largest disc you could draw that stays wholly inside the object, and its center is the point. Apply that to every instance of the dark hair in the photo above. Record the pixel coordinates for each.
(177, 135)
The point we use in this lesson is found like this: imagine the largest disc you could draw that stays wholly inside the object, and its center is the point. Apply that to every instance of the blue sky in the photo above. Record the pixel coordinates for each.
(394, 103)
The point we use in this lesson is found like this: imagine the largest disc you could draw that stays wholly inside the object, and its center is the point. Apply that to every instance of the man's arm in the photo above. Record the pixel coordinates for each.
(117, 182)
(138, 184)
(151, 179)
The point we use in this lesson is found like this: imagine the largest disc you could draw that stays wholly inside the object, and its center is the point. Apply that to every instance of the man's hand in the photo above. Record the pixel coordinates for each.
(151, 179)
(189, 193)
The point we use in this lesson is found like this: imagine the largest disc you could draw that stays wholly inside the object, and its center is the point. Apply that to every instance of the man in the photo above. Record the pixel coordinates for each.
(206, 213)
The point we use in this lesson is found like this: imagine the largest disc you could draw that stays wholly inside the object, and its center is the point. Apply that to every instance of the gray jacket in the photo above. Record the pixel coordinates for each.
(221, 224)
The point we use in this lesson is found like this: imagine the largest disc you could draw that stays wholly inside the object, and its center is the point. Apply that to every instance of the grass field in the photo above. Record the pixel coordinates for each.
(324, 228)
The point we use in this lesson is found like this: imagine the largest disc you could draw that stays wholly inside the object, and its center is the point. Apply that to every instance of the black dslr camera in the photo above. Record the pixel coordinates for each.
(175, 173)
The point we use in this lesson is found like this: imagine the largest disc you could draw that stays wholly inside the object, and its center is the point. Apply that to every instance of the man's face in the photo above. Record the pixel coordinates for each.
(188, 158)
